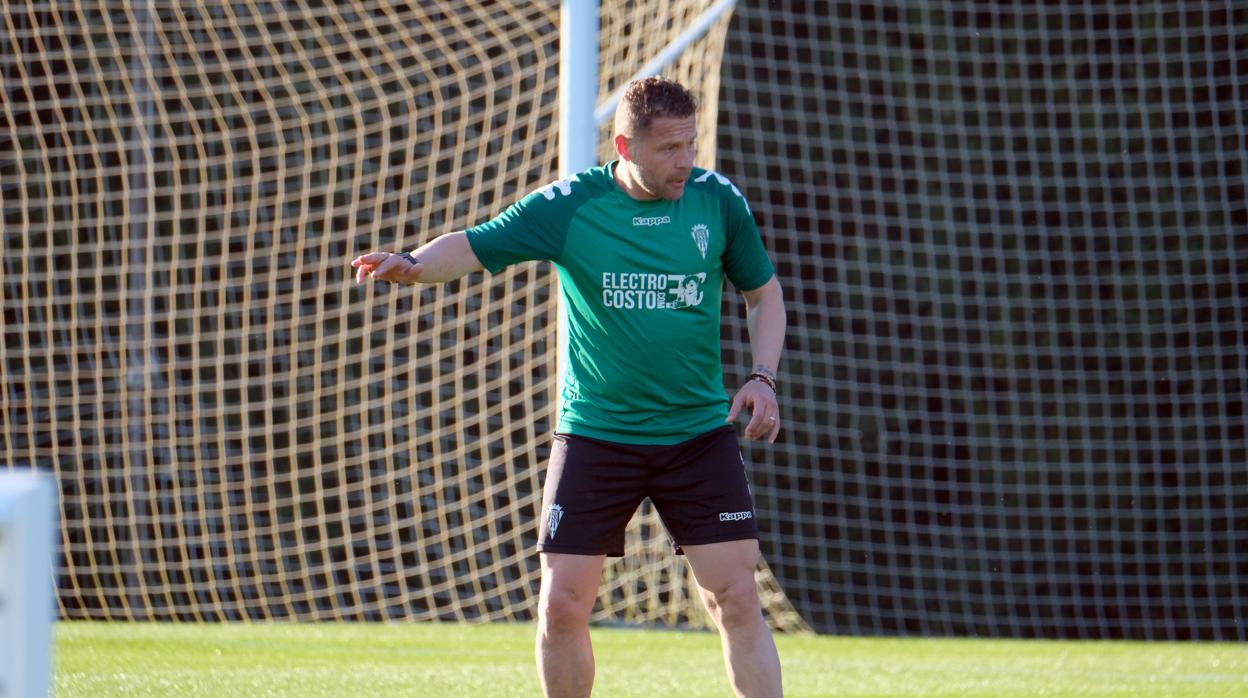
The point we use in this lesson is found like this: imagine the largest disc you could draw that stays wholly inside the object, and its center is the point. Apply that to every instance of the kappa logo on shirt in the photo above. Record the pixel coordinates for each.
(650, 221)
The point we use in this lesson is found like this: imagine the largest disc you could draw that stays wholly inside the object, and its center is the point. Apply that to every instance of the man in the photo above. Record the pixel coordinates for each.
(642, 246)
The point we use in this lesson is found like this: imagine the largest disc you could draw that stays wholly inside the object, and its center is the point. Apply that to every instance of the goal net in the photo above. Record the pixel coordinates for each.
(1014, 240)
(1011, 237)
(238, 431)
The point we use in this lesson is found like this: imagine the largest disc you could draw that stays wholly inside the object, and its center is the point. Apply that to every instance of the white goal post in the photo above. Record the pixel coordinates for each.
(27, 526)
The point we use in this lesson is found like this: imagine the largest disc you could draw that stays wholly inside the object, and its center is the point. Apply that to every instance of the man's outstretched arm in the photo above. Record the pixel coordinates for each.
(445, 258)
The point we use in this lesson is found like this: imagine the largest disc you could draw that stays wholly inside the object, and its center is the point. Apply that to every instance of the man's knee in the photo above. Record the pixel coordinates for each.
(734, 604)
(564, 609)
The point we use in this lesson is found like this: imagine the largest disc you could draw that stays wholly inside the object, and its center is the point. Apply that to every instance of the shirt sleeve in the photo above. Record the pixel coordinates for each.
(745, 260)
(522, 233)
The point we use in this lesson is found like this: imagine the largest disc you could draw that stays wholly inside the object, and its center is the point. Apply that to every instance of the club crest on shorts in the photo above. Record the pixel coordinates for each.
(554, 514)
(700, 234)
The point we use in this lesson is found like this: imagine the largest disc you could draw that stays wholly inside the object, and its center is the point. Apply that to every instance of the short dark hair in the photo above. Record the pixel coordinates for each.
(653, 98)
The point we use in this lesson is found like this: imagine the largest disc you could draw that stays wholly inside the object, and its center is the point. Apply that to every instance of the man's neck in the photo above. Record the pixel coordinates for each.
(626, 180)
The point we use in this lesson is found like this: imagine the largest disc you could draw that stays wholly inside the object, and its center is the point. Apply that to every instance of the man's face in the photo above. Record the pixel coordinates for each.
(662, 157)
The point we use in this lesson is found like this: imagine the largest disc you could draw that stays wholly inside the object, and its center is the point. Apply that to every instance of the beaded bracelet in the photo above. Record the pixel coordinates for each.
(763, 378)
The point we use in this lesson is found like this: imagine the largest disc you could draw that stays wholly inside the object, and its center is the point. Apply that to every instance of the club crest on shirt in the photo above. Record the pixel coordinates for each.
(700, 234)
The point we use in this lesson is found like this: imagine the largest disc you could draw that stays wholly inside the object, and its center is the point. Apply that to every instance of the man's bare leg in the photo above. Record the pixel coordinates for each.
(565, 659)
(725, 576)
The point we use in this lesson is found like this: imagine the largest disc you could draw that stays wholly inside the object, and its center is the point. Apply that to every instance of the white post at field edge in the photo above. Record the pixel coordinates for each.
(27, 531)
(578, 132)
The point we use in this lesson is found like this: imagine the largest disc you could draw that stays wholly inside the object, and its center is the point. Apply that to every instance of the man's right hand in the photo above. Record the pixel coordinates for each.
(444, 258)
(386, 266)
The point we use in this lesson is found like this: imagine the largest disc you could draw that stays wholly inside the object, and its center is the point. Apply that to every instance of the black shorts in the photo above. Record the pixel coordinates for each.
(699, 487)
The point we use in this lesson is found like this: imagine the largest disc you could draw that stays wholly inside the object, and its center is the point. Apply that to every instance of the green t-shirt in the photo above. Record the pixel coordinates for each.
(642, 283)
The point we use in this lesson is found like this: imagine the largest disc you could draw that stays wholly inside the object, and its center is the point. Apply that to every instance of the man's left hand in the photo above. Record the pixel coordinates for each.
(764, 410)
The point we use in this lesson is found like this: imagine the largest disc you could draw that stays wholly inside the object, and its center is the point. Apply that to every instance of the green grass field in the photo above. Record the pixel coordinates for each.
(429, 659)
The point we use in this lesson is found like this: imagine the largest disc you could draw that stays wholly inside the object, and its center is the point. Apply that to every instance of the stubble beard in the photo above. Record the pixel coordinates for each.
(660, 189)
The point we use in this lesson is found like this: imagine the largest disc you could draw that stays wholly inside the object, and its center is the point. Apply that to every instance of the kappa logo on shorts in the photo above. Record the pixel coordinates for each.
(735, 515)
(554, 514)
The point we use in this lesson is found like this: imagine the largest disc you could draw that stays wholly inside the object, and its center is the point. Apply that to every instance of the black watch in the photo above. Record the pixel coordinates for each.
(407, 257)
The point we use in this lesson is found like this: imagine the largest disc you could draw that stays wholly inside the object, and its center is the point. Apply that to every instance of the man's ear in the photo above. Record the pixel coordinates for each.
(622, 144)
